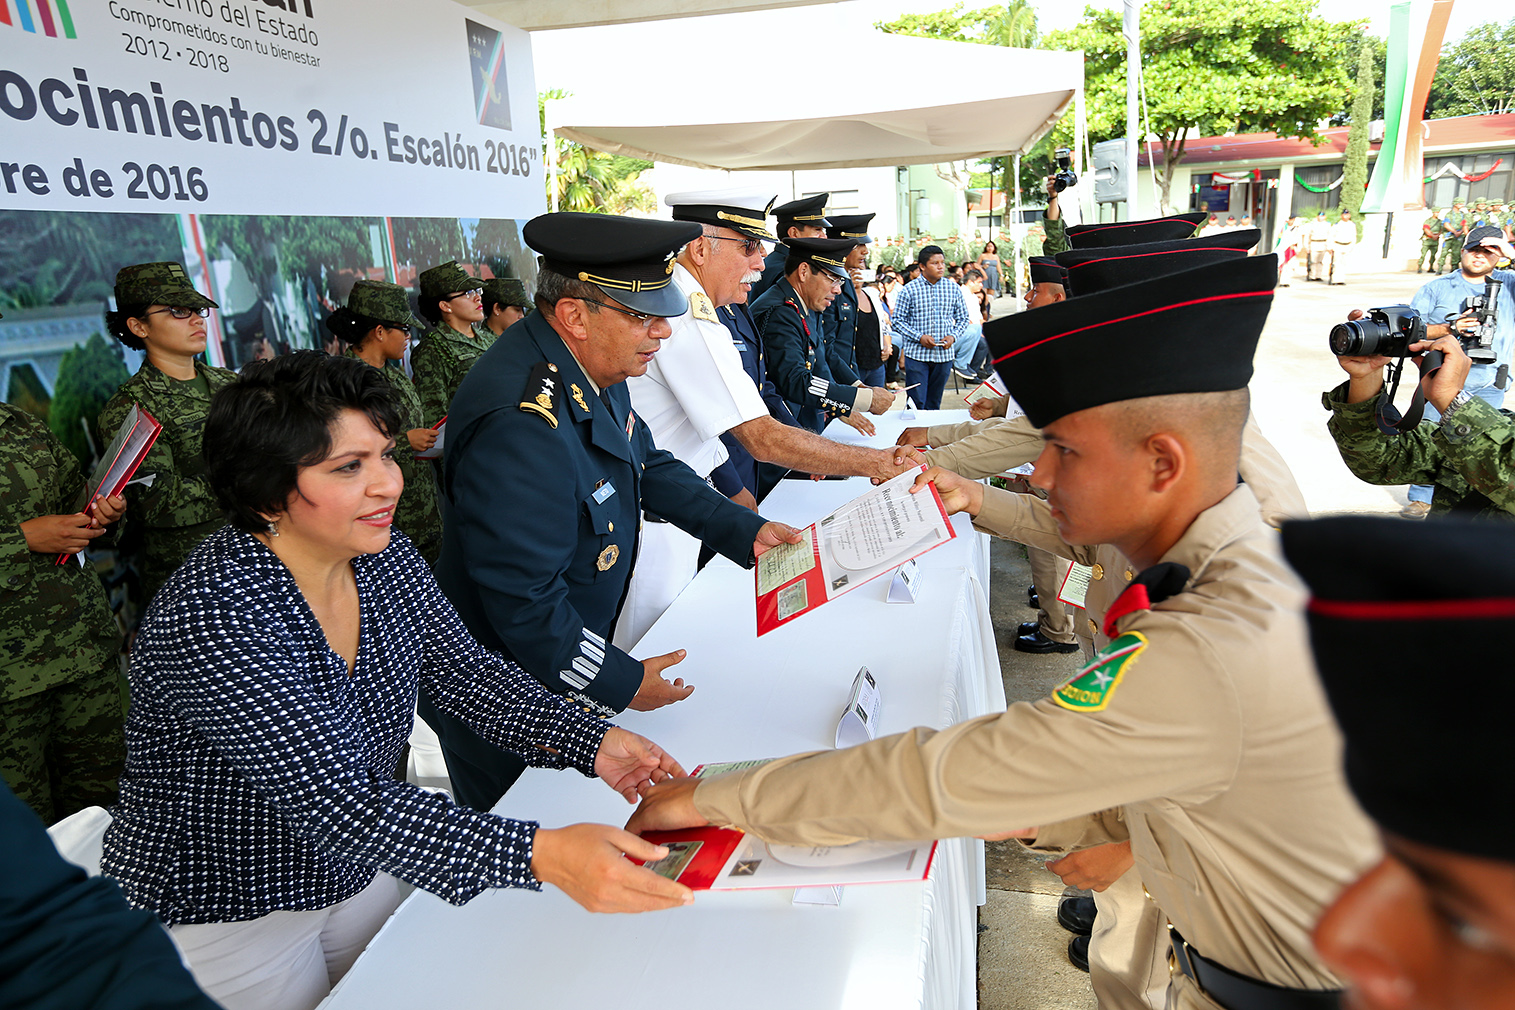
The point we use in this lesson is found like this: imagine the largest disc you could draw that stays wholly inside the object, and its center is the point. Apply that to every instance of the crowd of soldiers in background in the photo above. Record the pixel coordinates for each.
(1443, 231)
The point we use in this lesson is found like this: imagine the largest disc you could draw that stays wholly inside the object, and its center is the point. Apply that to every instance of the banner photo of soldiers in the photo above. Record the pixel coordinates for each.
(278, 149)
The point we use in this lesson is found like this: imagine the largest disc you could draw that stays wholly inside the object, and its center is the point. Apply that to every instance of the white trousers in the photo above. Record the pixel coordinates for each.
(285, 960)
(667, 561)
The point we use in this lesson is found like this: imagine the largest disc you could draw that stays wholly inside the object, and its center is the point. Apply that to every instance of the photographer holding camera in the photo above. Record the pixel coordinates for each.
(1463, 454)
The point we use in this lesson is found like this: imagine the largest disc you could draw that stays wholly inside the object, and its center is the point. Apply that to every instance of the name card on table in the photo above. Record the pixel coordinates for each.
(902, 588)
(860, 718)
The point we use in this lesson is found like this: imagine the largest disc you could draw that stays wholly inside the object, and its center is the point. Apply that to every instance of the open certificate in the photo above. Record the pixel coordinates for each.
(871, 535)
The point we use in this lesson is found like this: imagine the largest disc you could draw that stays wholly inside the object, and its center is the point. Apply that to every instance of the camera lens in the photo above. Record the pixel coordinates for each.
(1348, 340)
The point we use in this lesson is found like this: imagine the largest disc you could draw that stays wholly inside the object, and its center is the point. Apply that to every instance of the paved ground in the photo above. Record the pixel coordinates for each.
(1022, 963)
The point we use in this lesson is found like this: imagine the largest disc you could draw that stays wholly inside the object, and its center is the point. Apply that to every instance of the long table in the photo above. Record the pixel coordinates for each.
(883, 946)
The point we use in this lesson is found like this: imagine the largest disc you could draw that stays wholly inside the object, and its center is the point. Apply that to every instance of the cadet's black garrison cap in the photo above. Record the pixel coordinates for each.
(808, 212)
(1411, 626)
(1045, 270)
(1093, 270)
(630, 258)
(1189, 332)
(1155, 229)
(741, 210)
(828, 254)
(853, 226)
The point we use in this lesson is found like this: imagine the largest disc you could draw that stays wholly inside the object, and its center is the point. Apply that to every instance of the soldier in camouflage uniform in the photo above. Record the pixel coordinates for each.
(452, 301)
(1468, 456)
(375, 327)
(61, 746)
(158, 311)
(1430, 241)
(1457, 224)
(505, 303)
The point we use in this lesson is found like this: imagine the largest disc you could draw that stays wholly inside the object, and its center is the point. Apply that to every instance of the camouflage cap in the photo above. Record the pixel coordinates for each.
(506, 291)
(382, 302)
(159, 284)
(446, 279)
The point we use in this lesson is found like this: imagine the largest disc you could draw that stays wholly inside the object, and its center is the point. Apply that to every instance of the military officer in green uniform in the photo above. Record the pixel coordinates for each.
(893, 255)
(453, 302)
(803, 218)
(1457, 224)
(505, 303)
(1431, 230)
(159, 312)
(375, 327)
(60, 727)
(548, 475)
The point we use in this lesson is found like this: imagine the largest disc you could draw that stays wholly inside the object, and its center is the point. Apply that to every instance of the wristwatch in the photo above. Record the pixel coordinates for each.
(1462, 397)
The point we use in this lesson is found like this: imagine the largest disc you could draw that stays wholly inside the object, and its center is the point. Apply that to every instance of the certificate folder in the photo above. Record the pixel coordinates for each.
(127, 451)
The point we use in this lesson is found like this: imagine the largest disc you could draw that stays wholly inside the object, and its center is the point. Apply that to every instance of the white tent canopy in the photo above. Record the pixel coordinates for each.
(785, 110)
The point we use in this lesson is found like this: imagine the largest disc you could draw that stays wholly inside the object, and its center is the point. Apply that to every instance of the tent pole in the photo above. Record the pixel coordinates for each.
(1016, 248)
(1131, 24)
(552, 168)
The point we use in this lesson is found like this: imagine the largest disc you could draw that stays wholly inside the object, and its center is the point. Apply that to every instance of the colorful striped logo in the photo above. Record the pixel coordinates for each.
(50, 17)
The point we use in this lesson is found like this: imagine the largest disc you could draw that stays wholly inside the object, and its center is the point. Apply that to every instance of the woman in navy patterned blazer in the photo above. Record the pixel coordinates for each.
(273, 684)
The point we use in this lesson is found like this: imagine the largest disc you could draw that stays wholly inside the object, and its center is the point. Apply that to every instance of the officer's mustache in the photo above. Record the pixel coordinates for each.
(753, 277)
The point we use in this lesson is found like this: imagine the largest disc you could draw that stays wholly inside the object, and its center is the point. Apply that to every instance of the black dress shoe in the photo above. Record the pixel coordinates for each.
(1025, 628)
(1076, 913)
(1040, 643)
(1078, 952)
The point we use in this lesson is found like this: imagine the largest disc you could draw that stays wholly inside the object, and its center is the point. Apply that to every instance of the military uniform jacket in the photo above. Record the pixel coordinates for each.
(839, 323)
(179, 510)
(793, 338)
(773, 272)
(55, 625)
(440, 361)
(416, 515)
(543, 519)
(1205, 723)
(744, 337)
(1471, 467)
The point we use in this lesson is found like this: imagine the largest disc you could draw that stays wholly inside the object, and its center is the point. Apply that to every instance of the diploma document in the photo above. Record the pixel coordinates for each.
(871, 535)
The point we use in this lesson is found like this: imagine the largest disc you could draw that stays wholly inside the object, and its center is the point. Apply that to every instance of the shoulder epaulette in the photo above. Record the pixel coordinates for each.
(542, 391)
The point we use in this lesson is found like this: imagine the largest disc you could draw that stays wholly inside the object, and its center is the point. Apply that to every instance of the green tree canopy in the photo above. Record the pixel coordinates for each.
(1355, 171)
(88, 376)
(1212, 67)
(593, 181)
(1476, 76)
(277, 248)
(1013, 24)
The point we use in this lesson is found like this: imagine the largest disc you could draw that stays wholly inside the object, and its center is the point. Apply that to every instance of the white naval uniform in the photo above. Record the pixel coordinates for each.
(1343, 238)
(694, 391)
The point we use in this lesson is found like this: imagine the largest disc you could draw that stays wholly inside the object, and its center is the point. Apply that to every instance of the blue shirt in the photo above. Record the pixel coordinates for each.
(924, 308)
(260, 776)
(1444, 296)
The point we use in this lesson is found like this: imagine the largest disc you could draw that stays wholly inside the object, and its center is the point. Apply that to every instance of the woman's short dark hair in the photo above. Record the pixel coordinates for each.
(115, 322)
(991, 246)
(276, 418)
(431, 309)
(350, 327)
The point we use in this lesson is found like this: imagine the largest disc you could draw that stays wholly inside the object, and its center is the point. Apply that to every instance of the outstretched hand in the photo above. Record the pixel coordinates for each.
(632, 764)
(585, 861)
(773, 534)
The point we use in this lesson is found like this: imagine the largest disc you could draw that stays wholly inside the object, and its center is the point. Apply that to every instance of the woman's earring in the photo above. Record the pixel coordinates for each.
(273, 528)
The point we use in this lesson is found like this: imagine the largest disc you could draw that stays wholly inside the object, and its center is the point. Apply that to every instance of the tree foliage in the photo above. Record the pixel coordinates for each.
(1212, 67)
(278, 248)
(1013, 24)
(68, 258)
(1355, 171)
(1476, 76)
(593, 181)
(88, 375)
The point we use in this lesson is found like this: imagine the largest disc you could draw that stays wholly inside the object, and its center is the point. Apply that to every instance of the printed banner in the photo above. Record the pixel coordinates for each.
(290, 107)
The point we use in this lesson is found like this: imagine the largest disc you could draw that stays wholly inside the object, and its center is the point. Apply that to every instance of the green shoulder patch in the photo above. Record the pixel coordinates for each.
(1091, 688)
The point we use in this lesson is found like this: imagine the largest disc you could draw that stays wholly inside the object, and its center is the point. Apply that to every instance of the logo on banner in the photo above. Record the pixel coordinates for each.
(491, 96)
(50, 17)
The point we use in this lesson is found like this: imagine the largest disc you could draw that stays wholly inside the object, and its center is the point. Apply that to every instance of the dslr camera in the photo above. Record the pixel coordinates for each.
(1388, 331)
(1065, 176)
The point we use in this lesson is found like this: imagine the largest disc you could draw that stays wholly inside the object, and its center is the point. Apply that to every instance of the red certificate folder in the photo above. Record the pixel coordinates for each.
(127, 451)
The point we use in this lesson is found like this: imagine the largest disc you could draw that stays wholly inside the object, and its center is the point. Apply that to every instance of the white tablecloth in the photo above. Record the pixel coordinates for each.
(896, 945)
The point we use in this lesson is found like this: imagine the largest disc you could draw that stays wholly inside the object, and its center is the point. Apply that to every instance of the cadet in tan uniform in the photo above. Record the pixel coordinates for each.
(1201, 719)
(1432, 926)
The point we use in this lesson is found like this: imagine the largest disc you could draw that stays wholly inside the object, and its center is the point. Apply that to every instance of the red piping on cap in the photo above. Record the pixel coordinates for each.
(1137, 315)
(1400, 610)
